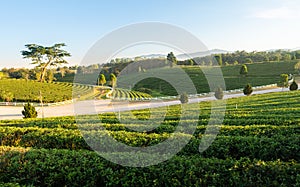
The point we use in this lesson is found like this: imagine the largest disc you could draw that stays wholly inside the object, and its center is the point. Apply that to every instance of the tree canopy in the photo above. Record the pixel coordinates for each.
(45, 57)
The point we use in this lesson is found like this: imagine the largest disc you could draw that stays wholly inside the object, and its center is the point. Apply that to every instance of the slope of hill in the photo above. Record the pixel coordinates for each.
(32, 91)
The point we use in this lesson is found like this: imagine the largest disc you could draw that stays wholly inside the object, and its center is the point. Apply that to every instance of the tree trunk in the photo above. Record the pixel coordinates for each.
(43, 74)
(44, 70)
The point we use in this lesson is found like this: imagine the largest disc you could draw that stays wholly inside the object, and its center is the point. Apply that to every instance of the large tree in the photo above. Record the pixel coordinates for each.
(45, 57)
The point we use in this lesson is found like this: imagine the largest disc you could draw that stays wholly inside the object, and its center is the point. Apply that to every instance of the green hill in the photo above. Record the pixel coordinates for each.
(258, 74)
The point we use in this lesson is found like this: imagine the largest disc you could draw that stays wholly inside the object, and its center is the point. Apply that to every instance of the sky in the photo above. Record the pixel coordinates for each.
(251, 25)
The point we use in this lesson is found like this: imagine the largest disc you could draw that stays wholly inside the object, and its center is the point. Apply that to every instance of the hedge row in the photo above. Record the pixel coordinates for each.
(41, 167)
(265, 148)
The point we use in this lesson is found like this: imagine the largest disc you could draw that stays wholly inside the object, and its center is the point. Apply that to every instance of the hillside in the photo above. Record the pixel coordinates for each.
(24, 91)
(258, 74)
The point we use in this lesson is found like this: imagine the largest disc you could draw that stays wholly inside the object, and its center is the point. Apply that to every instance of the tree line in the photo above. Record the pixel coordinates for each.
(242, 57)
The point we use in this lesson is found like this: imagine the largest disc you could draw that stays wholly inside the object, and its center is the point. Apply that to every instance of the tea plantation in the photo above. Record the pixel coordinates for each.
(258, 145)
(29, 91)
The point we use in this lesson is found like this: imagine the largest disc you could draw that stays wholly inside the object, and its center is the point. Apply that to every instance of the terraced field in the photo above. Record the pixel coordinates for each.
(258, 145)
(24, 91)
(123, 94)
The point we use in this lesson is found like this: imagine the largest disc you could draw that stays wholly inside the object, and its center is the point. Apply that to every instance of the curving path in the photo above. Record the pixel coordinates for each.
(100, 106)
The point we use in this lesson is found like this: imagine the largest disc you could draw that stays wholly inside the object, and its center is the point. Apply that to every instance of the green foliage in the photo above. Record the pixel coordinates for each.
(219, 93)
(294, 86)
(244, 70)
(82, 168)
(183, 98)
(248, 89)
(29, 111)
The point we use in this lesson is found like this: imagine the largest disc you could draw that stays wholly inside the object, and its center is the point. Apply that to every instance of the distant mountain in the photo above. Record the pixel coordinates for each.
(290, 50)
(153, 56)
(296, 49)
(200, 54)
(273, 50)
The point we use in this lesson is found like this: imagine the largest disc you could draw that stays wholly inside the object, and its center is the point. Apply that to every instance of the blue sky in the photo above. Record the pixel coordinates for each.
(230, 25)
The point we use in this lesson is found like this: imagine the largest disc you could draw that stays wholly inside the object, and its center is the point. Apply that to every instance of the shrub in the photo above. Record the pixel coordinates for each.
(244, 70)
(284, 81)
(294, 86)
(248, 89)
(29, 111)
(248, 61)
(219, 93)
(184, 98)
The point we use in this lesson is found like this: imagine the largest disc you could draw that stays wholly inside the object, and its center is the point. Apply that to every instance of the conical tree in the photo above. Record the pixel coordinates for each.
(101, 80)
(248, 89)
(183, 98)
(113, 80)
(171, 59)
(244, 70)
(294, 86)
(219, 93)
(29, 111)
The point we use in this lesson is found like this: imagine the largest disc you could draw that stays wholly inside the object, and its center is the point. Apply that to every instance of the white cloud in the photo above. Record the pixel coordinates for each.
(277, 13)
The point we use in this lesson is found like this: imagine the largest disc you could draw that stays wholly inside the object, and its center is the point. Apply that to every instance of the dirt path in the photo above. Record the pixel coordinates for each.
(99, 106)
